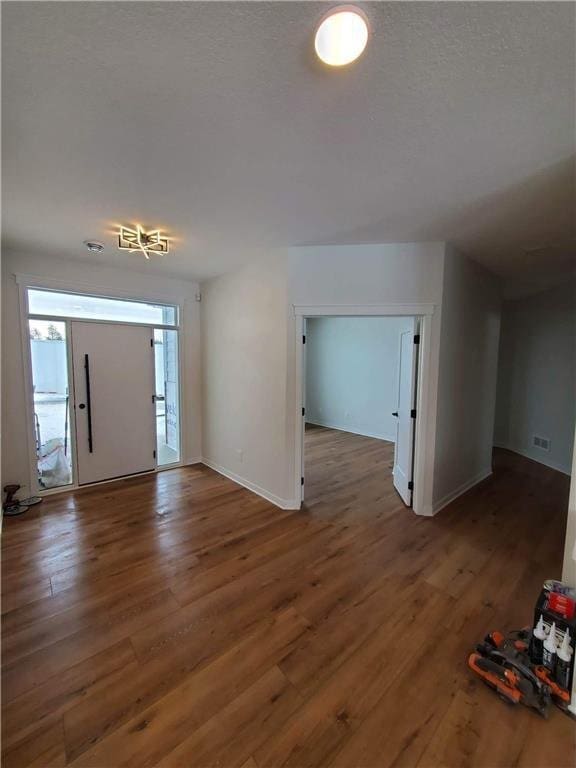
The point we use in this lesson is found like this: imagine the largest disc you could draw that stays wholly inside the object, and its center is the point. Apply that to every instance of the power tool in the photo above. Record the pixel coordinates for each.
(503, 664)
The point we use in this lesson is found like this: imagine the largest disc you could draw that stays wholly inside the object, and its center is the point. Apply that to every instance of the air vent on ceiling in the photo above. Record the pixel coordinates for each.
(541, 442)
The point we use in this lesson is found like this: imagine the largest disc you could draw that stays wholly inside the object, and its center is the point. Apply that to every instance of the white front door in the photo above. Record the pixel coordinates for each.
(405, 421)
(114, 408)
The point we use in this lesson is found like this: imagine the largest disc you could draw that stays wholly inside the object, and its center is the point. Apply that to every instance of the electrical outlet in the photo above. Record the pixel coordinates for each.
(240, 454)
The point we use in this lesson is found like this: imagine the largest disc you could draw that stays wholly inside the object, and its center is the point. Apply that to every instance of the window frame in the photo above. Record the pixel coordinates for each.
(41, 316)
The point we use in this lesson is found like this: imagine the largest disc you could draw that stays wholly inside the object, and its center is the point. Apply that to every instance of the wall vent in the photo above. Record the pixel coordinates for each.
(541, 442)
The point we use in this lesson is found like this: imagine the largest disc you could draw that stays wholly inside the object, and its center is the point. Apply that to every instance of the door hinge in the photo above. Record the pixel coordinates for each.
(413, 413)
(303, 411)
(417, 339)
(152, 343)
(154, 454)
(303, 339)
(301, 481)
(410, 486)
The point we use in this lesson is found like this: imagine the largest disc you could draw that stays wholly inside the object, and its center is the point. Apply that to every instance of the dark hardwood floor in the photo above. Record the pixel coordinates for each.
(348, 477)
(180, 620)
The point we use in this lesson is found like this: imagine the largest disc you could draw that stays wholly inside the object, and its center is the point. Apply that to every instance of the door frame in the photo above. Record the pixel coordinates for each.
(423, 471)
(26, 282)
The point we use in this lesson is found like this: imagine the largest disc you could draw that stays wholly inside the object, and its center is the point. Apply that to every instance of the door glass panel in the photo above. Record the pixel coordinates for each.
(99, 308)
(167, 397)
(51, 402)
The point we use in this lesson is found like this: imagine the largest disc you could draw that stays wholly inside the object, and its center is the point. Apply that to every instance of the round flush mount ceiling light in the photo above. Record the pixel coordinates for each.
(341, 36)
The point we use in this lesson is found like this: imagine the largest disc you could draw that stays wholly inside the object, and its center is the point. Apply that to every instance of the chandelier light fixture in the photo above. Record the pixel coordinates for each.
(138, 240)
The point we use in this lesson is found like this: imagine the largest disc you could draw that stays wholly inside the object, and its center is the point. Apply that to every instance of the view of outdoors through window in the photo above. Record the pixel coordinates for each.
(99, 308)
(167, 403)
(51, 402)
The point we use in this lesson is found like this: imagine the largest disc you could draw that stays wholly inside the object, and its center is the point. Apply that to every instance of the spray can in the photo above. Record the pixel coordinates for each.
(562, 673)
(549, 649)
(537, 644)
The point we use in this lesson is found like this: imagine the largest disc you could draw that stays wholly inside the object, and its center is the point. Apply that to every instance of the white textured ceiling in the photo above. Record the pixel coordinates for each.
(214, 121)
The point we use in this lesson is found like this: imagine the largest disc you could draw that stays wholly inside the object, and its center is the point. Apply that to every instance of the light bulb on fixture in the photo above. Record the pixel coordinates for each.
(341, 36)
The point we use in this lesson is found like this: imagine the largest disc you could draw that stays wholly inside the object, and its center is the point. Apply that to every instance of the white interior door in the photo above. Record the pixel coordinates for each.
(113, 387)
(404, 448)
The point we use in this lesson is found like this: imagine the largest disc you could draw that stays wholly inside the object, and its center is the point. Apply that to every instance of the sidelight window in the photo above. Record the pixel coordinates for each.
(51, 395)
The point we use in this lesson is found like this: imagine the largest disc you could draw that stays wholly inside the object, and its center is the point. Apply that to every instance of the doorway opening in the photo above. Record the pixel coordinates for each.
(362, 409)
(103, 387)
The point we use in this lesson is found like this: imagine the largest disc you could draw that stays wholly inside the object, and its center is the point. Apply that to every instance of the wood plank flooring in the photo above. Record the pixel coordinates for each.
(180, 620)
(348, 477)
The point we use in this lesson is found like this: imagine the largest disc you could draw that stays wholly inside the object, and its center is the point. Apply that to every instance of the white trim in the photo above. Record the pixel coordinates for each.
(29, 390)
(453, 495)
(300, 403)
(363, 310)
(276, 500)
(385, 438)
(88, 289)
(423, 464)
(527, 455)
(71, 408)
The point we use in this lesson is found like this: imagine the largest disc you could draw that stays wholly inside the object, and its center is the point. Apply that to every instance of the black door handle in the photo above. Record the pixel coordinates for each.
(81, 406)
(89, 400)
(395, 413)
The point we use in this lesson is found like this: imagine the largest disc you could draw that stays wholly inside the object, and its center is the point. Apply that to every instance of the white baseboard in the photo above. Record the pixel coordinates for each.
(351, 430)
(276, 500)
(450, 497)
(527, 455)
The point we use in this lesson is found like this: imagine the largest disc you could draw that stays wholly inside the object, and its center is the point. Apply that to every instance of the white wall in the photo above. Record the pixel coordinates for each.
(537, 376)
(64, 273)
(249, 347)
(366, 274)
(468, 368)
(352, 373)
(244, 318)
